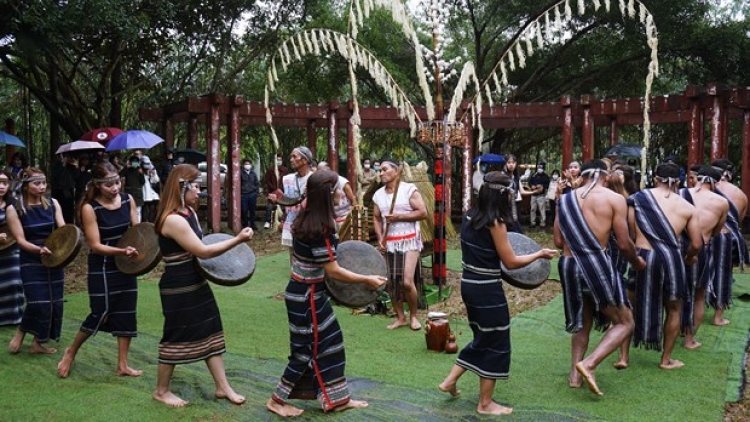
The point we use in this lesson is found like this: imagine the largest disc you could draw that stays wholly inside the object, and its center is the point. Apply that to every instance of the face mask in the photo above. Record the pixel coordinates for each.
(135, 164)
(247, 167)
(555, 177)
(540, 171)
(376, 168)
(367, 166)
(278, 163)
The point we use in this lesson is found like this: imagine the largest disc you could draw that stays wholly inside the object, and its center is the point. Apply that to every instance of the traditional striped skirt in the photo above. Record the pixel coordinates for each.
(113, 297)
(43, 289)
(316, 346)
(488, 354)
(11, 288)
(192, 323)
(719, 294)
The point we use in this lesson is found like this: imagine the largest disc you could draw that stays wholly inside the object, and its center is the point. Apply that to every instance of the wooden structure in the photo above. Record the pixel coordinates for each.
(696, 107)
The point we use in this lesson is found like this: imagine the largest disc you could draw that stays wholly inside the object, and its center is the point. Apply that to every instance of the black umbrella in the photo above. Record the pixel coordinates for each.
(192, 156)
(624, 150)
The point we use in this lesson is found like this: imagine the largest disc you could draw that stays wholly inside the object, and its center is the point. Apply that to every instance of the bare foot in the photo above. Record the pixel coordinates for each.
(449, 388)
(415, 325)
(692, 344)
(15, 343)
(574, 379)
(128, 372)
(620, 364)
(672, 364)
(351, 404)
(36, 348)
(494, 409)
(588, 376)
(721, 322)
(233, 397)
(284, 410)
(170, 399)
(397, 324)
(63, 367)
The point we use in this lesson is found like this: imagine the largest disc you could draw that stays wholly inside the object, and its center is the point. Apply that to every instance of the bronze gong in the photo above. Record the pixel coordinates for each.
(64, 243)
(532, 275)
(143, 238)
(10, 240)
(232, 268)
(362, 258)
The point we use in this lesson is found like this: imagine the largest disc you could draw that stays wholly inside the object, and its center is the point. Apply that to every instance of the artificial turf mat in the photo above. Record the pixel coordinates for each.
(391, 369)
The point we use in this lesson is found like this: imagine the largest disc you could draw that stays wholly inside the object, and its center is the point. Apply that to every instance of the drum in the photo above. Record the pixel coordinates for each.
(361, 258)
(232, 268)
(143, 238)
(64, 243)
(9, 241)
(530, 276)
(437, 329)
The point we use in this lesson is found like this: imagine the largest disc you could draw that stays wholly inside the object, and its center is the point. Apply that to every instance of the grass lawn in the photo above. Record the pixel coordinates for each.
(393, 370)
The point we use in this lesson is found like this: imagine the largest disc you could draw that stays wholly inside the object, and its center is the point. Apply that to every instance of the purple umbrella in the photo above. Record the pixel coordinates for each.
(134, 139)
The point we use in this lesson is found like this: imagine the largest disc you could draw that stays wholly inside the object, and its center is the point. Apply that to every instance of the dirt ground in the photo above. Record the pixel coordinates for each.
(266, 242)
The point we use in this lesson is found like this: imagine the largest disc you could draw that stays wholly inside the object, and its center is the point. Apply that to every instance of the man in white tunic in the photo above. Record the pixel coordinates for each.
(398, 209)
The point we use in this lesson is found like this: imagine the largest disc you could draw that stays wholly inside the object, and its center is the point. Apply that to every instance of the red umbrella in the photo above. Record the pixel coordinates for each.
(102, 134)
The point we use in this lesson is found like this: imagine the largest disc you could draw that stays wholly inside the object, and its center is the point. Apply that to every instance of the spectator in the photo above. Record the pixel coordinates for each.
(84, 176)
(511, 169)
(368, 176)
(114, 158)
(167, 165)
(18, 163)
(64, 176)
(150, 190)
(271, 183)
(552, 192)
(133, 181)
(538, 184)
(249, 188)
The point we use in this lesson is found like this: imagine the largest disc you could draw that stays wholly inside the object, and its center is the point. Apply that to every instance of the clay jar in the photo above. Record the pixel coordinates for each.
(451, 346)
(436, 331)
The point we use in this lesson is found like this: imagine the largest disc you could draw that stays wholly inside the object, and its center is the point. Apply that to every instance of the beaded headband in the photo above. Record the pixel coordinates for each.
(497, 186)
(106, 179)
(593, 173)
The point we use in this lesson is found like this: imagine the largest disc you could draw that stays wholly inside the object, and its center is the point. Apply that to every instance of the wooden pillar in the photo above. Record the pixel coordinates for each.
(233, 183)
(587, 130)
(192, 131)
(213, 172)
(567, 131)
(695, 129)
(168, 129)
(614, 131)
(717, 120)
(745, 155)
(467, 155)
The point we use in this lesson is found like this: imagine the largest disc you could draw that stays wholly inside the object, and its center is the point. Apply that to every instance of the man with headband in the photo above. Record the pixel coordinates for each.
(659, 216)
(729, 244)
(294, 186)
(591, 285)
(396, 215)
(711, 210)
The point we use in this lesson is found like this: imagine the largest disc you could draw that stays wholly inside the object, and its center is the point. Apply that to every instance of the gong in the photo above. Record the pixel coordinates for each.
(232, 268)
(143, 238)
(361, 258)
(532, 275)
(64, 243)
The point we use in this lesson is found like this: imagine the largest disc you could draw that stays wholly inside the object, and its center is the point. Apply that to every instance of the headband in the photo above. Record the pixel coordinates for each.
(106, 179)
(34, 178)
(669, 181)
(592, 173)
(724, 172)
(497, 186)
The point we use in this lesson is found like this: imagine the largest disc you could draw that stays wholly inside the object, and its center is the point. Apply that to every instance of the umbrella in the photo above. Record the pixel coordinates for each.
(192, 156)
(102, 134)
(134, 139)
(8, 139)
(490, 159)
(78, 146)
(624, 150)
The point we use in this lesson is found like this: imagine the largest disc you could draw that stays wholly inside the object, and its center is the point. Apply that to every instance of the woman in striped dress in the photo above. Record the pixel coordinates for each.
(316, 342)
(106, 214)
(11, 289)
(484, 244)
(192, 324)
(31, 220)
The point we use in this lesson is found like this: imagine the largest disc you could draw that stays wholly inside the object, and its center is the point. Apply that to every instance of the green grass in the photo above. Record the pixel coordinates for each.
(393, 370)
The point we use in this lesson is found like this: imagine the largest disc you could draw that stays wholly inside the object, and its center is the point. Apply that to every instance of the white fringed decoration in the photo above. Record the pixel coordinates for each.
(631, 8)
(503, 73)
(581, 7)
(642, 13)
(607, 5)
(521, 56)
(269, 81)
(488, 93)
(568, 11)
(511, 60)
(458, 93)
(421, 76)
(301, 44)
(539, 37)
(297, 55)
(558, 17)
(547, 26)
(529, 46)
(597, 5)
(623, 6)
(315, 42)
(498, 86)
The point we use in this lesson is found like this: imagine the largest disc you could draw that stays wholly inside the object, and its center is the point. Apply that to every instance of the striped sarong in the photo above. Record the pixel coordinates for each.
(719, 291)
(593, 273)
(11, 289)
(733, 225)
(664, 276)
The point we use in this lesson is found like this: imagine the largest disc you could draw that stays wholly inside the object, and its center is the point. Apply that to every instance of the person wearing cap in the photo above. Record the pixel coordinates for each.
(398, 209)
(294, 186)
(149, 189)
(538, 184)
(712, 212)
(725, 248)
(660, 216)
